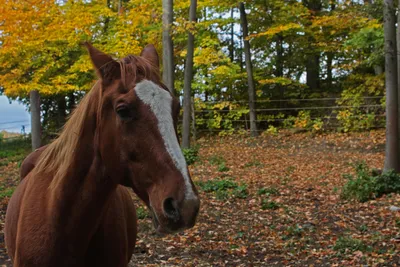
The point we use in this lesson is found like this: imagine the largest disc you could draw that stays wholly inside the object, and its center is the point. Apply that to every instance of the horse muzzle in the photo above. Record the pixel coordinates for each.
(176, 217)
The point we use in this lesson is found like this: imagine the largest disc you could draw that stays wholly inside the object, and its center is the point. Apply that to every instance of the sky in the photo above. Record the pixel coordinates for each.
(13, 116)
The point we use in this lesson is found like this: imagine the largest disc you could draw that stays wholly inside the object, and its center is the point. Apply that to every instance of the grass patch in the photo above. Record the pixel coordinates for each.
(271, 191)
(254, 163)
(216, 160)
(269, 205)
(349, 244)
(142, 213)
(14, 150)
(293, 231)
(220, 162)
(222, 167)
(6, 192)
(224, 188)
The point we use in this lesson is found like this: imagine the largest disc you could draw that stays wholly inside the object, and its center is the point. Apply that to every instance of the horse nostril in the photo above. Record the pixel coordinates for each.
(171, 210)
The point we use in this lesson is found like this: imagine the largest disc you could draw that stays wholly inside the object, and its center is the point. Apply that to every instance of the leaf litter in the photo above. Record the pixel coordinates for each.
(281, 206)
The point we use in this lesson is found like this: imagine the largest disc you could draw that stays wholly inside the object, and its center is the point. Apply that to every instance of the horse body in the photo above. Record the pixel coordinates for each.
(71, 208)
(108, 242)
(30, 162)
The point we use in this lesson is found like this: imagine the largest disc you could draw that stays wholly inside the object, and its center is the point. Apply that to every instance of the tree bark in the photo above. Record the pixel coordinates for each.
(168, 50)
(398, 75)
(313, 58)
(279, 67)
(392, 130)
(249, 68)
(61, 111)
(193, 121)
(71, 102)
(312, 69)
(187, 88)
(232, 40)
(35, 119)
(231, 52)
(329, 76)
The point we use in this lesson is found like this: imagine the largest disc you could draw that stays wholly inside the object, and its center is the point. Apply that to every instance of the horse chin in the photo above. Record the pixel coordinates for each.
(156, 224)
(160, 229)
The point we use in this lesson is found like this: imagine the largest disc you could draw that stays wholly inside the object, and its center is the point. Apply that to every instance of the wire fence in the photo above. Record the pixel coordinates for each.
(234, 115)
(326, 113)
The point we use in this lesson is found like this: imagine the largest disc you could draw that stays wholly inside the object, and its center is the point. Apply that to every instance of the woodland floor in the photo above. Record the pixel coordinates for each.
(290, 214)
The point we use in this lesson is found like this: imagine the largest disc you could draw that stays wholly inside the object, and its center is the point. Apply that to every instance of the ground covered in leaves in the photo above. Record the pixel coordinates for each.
(274, 201)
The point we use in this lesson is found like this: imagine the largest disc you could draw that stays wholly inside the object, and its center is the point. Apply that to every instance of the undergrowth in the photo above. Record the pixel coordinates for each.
(367, 185)
(191, 154)
(224, 188)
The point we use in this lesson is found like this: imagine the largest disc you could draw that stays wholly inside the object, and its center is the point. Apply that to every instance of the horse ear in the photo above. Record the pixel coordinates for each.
(150, 53)
(106, 67)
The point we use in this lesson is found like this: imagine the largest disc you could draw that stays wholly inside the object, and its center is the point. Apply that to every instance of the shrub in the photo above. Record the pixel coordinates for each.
(272, 130)
(386, 183)
(367, 185)
(191, 154)
(216, 160)
(360, 187)
(289, 122)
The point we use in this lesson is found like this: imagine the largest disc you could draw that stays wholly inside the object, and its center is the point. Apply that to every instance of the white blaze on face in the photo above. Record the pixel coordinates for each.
(160, 102)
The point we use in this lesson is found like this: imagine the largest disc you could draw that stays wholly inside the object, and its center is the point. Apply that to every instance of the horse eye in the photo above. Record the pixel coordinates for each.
(124, 113)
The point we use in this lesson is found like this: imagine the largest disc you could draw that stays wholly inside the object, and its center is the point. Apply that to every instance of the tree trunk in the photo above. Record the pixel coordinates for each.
(71, 102)
(231, 52)
(168, 50)
(378, 70)
(61, 111)
(187, 89)
(329, 60)
(313, 57)
(312, 69)
(232, 41)
(279, 67)
(35, 119)
(249, 68)
(398, 76)
(392, 148)
(193, 121)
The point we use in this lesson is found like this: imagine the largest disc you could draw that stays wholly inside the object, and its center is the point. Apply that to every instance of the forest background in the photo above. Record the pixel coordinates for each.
(317, 64)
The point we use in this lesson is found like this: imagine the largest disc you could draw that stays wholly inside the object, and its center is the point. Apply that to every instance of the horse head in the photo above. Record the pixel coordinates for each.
(136, 137)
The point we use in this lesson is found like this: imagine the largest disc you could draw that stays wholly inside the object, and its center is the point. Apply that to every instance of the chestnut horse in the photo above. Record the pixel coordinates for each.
(72, 209)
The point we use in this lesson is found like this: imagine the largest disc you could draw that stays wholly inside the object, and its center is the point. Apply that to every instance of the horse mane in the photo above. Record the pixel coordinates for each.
(58, 157)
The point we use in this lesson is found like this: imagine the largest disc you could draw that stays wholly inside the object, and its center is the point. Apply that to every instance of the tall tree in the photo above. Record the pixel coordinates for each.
(168, 50)
(249, 69)
(392, 130)
(398, 71)
(313, 55)
(187, 89)
(35, 119)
